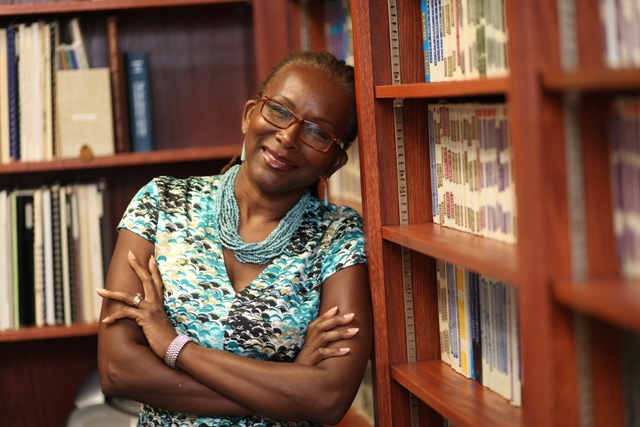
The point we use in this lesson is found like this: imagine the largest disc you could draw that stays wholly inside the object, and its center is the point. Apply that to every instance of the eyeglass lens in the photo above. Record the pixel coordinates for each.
(280, 116)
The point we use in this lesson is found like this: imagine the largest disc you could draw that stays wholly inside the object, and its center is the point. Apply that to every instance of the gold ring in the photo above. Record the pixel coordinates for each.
(136, 300)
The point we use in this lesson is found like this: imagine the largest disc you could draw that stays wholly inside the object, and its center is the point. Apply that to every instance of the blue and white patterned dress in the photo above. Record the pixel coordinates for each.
(266, 320)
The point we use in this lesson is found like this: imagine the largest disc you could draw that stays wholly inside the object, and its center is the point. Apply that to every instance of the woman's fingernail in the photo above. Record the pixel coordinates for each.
(353, 330)
(105, 320)
(132, 255)
(349, 315)
(332, 311)
(345, 349)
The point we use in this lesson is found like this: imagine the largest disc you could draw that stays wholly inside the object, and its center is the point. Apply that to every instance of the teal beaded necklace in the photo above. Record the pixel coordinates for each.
(228, 219)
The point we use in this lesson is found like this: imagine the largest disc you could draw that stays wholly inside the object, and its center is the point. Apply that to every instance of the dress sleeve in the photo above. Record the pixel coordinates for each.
(141, 216)
(347, 243)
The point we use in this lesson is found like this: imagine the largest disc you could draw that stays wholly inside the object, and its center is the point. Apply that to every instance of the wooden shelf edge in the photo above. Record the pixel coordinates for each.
(486, 256)
(497, 86)
(79, 6)
(461, 400)
(49, 332)
(614, 301)
(125, 159)
(595, 80)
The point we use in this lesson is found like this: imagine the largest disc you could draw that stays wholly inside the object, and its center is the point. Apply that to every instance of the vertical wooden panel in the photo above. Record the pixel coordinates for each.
(528, 48)
(606, 358)
(272, 37)
(40, 379)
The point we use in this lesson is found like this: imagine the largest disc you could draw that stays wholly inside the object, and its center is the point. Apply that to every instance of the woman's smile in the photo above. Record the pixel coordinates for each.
(276, 161)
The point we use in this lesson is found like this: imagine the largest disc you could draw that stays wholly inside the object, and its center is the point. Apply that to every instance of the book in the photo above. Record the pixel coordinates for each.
(5, 156)
(424, 9)
(24, 286)
(443, 311)
(65, 234)
(118, 87)
(38, 258)
(94, 207)
(6, 299)
(56, 238)
(84, 112)
(139, 96)
(13, 93)
(70, 51)
(48, 275)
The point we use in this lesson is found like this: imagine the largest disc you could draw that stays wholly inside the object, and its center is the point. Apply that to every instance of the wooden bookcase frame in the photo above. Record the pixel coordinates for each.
(207, 57)
(539, 265)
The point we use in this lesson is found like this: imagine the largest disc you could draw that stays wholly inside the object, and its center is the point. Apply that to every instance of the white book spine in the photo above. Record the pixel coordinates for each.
(49, 297)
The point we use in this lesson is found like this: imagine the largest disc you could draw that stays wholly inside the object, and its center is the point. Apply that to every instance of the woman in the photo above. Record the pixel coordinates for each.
(239, 266)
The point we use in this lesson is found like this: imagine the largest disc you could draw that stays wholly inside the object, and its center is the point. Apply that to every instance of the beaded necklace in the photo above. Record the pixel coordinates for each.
(228, 218)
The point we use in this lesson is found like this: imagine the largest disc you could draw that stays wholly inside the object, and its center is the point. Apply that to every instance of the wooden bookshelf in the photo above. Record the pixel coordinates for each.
(573, 304)
(473, 252)
(49, 332)
(206, 59)
(613, 301)
(461, 401)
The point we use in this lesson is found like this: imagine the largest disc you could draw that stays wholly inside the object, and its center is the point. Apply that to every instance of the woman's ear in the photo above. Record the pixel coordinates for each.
(249, 109)
(338, 162)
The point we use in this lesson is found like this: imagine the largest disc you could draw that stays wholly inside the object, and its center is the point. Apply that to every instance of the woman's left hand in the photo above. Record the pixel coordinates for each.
(146, 310)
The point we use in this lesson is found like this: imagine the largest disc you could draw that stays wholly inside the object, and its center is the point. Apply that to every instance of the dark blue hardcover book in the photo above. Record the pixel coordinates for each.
(14, 102)
(139, 96)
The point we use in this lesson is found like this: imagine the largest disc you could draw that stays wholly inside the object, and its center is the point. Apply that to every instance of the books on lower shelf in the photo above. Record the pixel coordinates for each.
(464, 39)
(624, 158)
(51, 244)
(472, 176)
(479, 329)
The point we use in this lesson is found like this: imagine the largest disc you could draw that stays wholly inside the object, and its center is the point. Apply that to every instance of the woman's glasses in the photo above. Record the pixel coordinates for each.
(310, 133)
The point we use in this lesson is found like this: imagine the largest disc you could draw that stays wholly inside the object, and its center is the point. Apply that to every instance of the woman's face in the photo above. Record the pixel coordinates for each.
(278, 161)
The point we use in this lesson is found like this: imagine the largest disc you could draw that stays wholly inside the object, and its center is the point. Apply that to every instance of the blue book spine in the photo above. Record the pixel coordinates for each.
(139, 96)
(14, 105)
(425, 39)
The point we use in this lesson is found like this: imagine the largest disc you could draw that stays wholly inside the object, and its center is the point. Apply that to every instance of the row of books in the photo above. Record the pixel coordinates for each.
(54, 106)
(464, 39)
(472, 176)
(479, 329)
(621, 27)
(624, 158)
(51, 255)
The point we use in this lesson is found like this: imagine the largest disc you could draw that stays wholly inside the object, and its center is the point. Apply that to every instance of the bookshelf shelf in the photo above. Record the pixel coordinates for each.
(462, 401)
(483, 87)
(591, 80)
(614, 301)
(486, 256)
(78, 6)
(49, 332)
(178, 155)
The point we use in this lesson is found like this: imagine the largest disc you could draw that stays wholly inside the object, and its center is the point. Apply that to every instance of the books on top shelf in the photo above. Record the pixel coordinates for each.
(621, 30)
(479, 329)
(472, 176)
(624, 158)
(43, 103)
(464, 39)
(51, 243)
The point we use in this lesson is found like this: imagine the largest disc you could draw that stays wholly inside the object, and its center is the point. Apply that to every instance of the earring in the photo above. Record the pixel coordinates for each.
(242, 155)
(326, 193)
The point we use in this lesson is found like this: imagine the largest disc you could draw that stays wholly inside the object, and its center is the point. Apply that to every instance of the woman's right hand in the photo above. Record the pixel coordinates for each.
(324, 330)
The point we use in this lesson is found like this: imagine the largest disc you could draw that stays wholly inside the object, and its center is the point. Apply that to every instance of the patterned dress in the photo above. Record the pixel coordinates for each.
(266, 320)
